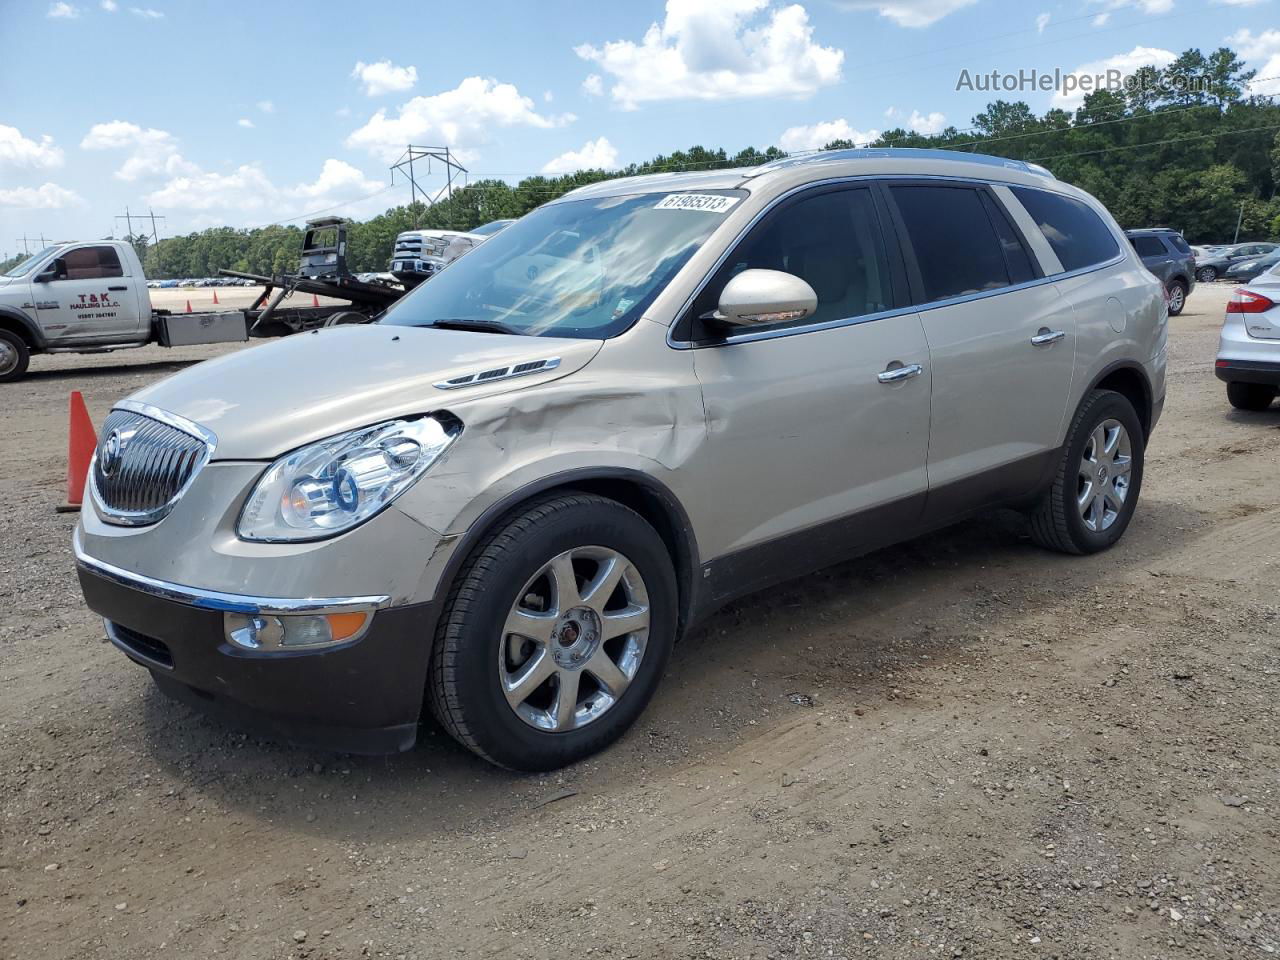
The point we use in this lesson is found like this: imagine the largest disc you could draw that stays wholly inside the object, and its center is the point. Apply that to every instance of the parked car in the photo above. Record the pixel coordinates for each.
(510, 496)
(1245, 270)
(1217, 265)
(419, 255)
(1249, 347)
(1169, 257)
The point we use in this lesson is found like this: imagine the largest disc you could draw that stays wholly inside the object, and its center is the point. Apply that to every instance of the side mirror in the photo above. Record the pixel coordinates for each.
(756, 297)
(56, 270)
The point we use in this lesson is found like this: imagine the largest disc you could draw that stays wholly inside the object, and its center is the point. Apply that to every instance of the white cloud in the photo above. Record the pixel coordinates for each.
(926, 123)
(1100, 20)
(384, 77)
(1261, 51)
(1146, 6)
(245, 122)
(1239, 3)
(462, 117)
(248, 192)
(818, 135)
(62, 11)
(17, 151)
(147, 13)
(909, 13)
(1042, 21)
(152, 152)
(109, 5)
(597, 154)
(48, 196)
(547, 96)
(593, 86)
(721, 50)
(1126, 63)
(266, 106)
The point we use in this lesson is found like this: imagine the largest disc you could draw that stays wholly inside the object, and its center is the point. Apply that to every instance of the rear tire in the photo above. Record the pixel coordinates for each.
(1095, 488)
(1177, 297)
(1207, 274)
(1250, 396)
(14, 357)
(478, 688)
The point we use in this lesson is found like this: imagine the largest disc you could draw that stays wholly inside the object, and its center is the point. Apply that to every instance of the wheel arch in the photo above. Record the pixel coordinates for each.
(639, 491)
(18, 322)
(1127, 378)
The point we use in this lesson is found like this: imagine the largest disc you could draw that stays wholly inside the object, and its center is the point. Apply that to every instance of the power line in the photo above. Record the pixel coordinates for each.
(1157, 143)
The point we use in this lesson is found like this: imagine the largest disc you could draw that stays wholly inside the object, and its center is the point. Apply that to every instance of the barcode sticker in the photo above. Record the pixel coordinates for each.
(707, 202)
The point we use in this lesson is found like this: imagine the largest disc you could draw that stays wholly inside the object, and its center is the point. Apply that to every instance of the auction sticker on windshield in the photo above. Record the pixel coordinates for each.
(709, 202)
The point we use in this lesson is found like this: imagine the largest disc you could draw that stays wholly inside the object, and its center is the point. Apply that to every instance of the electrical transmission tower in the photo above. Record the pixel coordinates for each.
(443, 156)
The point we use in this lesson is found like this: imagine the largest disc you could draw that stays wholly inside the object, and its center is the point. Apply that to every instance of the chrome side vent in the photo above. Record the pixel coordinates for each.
(145, 461)
(499, 373)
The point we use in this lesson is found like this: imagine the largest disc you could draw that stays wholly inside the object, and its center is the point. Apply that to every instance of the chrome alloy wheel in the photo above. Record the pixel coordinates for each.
(574, 639)
(8, 358)
(1105, 470)
(1177, 299)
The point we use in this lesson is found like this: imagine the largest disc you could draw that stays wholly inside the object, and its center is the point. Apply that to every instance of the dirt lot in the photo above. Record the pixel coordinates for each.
(958, 747)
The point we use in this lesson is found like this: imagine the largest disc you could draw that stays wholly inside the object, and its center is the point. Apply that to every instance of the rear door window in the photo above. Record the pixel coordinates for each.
(957, 250)
(1178, 243)
(1077, 234)
(1148, 246)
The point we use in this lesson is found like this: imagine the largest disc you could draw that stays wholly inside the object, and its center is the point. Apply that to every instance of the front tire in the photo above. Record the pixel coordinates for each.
(1177, 297)
(14, 357)
(555, 634)
(1099, 477)
(1250, 396)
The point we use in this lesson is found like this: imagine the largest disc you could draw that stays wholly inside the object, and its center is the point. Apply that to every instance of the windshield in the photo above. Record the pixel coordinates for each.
(26, 266)
(579, 268)
(493, 226)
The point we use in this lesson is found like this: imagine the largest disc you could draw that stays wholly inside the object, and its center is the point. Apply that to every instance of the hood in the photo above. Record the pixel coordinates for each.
(268, 399)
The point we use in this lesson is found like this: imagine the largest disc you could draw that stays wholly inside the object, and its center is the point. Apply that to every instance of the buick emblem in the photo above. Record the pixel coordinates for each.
(112, 452)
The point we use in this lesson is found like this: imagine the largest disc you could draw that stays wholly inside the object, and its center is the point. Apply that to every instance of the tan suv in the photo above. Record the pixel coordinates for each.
(509, 497)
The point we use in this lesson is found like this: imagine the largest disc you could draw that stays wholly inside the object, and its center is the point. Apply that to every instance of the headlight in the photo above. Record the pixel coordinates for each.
(333, 485)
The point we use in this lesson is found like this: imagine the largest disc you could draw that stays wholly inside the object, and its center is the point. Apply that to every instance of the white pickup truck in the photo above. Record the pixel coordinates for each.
(91, 297)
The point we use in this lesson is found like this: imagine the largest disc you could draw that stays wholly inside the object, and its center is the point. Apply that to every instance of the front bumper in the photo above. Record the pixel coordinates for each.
(361, 697)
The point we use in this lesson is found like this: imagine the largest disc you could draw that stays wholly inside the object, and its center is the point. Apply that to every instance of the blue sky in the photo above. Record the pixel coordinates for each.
(250, 113)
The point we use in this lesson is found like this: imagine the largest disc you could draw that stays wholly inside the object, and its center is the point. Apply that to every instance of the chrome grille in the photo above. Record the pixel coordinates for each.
(146, 459)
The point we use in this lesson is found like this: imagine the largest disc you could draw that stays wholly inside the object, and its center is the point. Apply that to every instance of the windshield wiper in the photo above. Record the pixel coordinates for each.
(481, 326)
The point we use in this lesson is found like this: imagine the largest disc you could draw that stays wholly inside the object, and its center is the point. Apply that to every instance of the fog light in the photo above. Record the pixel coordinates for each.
(267, 631)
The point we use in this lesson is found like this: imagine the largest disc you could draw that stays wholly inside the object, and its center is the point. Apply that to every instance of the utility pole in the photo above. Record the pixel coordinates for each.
(1238, 219)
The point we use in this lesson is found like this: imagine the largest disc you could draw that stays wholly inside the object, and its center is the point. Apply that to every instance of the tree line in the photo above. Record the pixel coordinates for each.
(1201, 157)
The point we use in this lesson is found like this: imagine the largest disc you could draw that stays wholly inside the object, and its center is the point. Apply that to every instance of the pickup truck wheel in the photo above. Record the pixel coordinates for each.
(1207, 274)
(1095, 488)
(14, 357)
(1177, 297)
(1250, 396)
(555, 633)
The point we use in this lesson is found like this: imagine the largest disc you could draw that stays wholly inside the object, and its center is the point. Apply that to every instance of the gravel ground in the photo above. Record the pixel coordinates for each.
(959, 747)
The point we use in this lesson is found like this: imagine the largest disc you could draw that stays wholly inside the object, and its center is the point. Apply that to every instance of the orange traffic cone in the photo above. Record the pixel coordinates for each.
(215, 298)
(81, 441)
(315, 301)
(189, 310)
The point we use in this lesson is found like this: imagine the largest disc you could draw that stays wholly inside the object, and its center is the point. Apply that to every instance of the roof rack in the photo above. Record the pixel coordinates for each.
(899, 153)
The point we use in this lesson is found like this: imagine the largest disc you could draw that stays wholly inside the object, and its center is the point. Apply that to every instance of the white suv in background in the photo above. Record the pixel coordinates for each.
(509, 497)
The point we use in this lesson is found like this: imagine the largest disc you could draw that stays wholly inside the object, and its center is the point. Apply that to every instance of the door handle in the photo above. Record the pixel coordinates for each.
(1047, 336)
(898, 374)
(117, 288)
